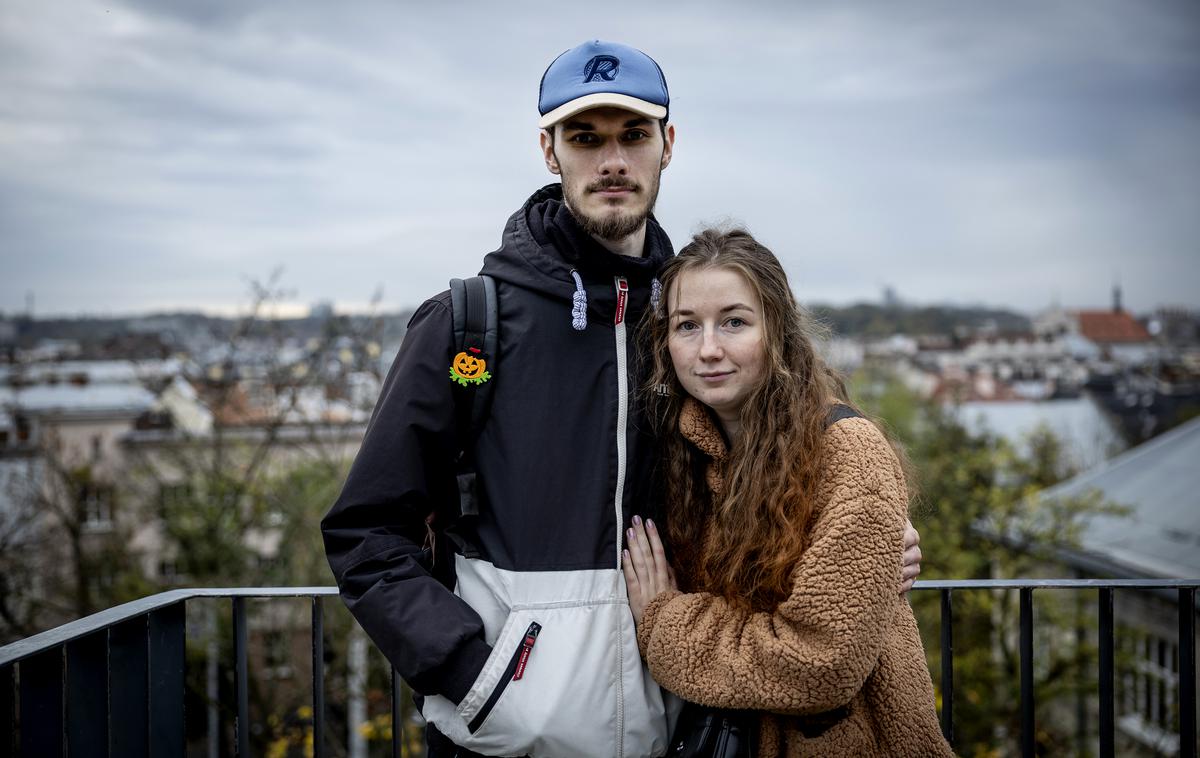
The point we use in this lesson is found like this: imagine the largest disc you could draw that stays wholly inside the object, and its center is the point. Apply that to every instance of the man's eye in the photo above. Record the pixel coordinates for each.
(635, 135)
(584, 139)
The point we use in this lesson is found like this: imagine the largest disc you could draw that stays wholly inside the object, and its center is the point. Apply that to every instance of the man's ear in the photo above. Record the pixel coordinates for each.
(547, 141)
(668, 145)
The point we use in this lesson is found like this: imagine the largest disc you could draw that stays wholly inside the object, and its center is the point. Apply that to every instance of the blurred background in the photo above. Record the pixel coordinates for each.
(216, 218)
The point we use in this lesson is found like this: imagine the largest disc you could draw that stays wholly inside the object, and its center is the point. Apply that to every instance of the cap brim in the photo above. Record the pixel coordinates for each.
(601, 100)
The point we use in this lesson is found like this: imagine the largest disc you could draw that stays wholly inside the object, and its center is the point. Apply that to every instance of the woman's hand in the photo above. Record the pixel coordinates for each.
(645, 566)
(910, 562)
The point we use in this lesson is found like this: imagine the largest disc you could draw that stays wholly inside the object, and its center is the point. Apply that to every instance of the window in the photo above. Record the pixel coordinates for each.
(276, 655)
(96, 501)
(1147, 703)
(168, 571)
(172, 497)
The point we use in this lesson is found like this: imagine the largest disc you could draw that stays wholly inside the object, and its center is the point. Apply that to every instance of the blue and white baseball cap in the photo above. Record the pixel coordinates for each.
(599, 73)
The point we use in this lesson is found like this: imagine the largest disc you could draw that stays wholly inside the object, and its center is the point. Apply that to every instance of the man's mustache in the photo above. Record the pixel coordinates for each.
(613, 182)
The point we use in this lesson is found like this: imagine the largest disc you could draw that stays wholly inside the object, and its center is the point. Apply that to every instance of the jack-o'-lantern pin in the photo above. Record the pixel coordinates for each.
(469, 367)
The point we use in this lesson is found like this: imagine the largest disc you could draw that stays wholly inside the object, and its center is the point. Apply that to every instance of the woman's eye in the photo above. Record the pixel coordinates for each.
(735, 323)
(686, 326)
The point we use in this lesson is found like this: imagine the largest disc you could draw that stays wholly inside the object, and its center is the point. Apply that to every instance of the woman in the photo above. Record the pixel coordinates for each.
(785, 511)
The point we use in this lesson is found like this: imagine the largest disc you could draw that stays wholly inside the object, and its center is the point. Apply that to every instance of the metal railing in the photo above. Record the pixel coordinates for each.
(134, 653)
(1186, 589)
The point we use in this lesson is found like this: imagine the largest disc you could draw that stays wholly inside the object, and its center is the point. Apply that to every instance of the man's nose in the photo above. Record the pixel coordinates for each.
(613, 160)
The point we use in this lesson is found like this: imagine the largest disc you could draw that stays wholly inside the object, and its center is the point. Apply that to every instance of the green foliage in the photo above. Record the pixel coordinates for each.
(980, 517)
(875, 321)
(302, 493)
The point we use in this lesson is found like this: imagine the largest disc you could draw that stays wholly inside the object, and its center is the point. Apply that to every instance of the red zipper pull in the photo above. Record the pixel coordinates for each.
(531, 635)
(622, 294)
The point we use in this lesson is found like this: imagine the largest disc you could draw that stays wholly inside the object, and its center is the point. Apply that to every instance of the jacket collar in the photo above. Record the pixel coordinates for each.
(697, 426)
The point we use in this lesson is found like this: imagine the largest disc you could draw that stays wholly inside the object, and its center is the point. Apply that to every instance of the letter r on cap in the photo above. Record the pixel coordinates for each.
(601, 67)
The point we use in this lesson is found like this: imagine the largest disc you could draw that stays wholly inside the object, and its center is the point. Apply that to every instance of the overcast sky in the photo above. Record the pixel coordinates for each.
(157, 155)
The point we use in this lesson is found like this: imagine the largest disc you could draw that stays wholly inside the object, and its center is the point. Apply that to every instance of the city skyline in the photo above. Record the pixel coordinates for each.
(156, 155)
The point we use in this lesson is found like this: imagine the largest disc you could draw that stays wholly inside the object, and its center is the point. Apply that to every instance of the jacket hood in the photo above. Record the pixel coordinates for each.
(542, 245)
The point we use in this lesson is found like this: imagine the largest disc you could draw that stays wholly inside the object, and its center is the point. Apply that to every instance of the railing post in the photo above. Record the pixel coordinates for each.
(1107, 700)
(318, 677)
(948, 666)
(8, 710)
(1187, 672)
(397, 717)
(128, 728)
(167, 663)
(1028, 736)
(241, 679)
(87, 696)
(42, 704)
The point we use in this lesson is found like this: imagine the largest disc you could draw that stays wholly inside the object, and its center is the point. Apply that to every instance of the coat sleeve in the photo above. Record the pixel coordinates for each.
(375, 531)
(815, 650)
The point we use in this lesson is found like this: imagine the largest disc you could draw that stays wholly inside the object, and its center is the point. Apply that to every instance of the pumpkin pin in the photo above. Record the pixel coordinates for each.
(469, 367)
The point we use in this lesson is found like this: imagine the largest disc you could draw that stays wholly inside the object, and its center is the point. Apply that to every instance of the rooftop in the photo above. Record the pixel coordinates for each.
(1159, 481)
(72, 399)
(1111, 326)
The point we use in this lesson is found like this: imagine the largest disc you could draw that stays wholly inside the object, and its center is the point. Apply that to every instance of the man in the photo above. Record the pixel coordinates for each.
(534, 653)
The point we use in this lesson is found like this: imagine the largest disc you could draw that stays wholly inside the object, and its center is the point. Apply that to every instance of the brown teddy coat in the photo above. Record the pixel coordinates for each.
(844, 638)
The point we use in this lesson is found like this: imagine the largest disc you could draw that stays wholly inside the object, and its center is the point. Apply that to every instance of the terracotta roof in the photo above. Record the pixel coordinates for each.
(1111, 326)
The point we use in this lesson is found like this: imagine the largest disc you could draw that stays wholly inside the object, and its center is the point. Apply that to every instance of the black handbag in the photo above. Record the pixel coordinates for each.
(704, 732)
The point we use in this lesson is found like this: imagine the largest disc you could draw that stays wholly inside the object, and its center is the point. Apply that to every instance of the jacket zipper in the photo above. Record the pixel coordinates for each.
(622, 420)
(531, 635)
(622, 408)
(513, 672)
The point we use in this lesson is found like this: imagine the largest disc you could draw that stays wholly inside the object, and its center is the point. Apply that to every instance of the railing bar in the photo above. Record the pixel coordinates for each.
(43, 732)
(1027, 713)
(167, 656)
(1065, 584)
(242, 679)
(15, 651)
(397, 722)
(8, 710)
(128, 688)
(318, 677)
(87, 701)
(108, 617)
(1107, 704)
(1187, 672)
(948, 666)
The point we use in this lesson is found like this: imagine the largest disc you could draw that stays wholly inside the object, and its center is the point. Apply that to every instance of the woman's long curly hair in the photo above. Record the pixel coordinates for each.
(760, 523)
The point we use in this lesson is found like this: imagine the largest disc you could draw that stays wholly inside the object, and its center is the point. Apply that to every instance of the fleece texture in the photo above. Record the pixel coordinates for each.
(837, 667)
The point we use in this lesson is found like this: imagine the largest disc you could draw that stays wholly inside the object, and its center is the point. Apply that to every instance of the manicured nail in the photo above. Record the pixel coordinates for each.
(632, 535)
(650, 524)
(626, 552)
(637, 520)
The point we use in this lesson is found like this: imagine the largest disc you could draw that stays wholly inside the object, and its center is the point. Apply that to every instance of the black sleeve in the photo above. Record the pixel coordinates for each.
(375, 531)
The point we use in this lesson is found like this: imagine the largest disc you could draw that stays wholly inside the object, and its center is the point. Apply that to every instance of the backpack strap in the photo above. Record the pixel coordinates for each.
(839, 411)
(475, 313)
(476, 333)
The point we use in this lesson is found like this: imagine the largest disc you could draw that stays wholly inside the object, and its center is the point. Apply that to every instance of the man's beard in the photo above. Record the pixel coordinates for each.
(611, 227)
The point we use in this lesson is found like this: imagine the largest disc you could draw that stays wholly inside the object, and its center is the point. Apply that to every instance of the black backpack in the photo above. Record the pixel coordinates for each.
(476, 320)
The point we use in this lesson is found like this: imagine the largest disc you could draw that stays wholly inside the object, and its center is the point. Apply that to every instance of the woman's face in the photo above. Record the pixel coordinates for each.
(716, 338)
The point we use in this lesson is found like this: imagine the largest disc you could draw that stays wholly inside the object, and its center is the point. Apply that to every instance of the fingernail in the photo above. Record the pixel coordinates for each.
(649, 523)
(632, 535)
(626, 552)
(637, 520)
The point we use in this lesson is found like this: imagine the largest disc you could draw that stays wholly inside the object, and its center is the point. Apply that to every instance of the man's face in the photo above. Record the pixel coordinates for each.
(610, 161)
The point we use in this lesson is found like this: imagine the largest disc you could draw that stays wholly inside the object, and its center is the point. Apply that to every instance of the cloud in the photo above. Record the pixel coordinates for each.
(154, 152)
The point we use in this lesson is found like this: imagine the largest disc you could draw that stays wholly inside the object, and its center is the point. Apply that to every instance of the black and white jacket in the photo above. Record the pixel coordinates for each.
(534, 652)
